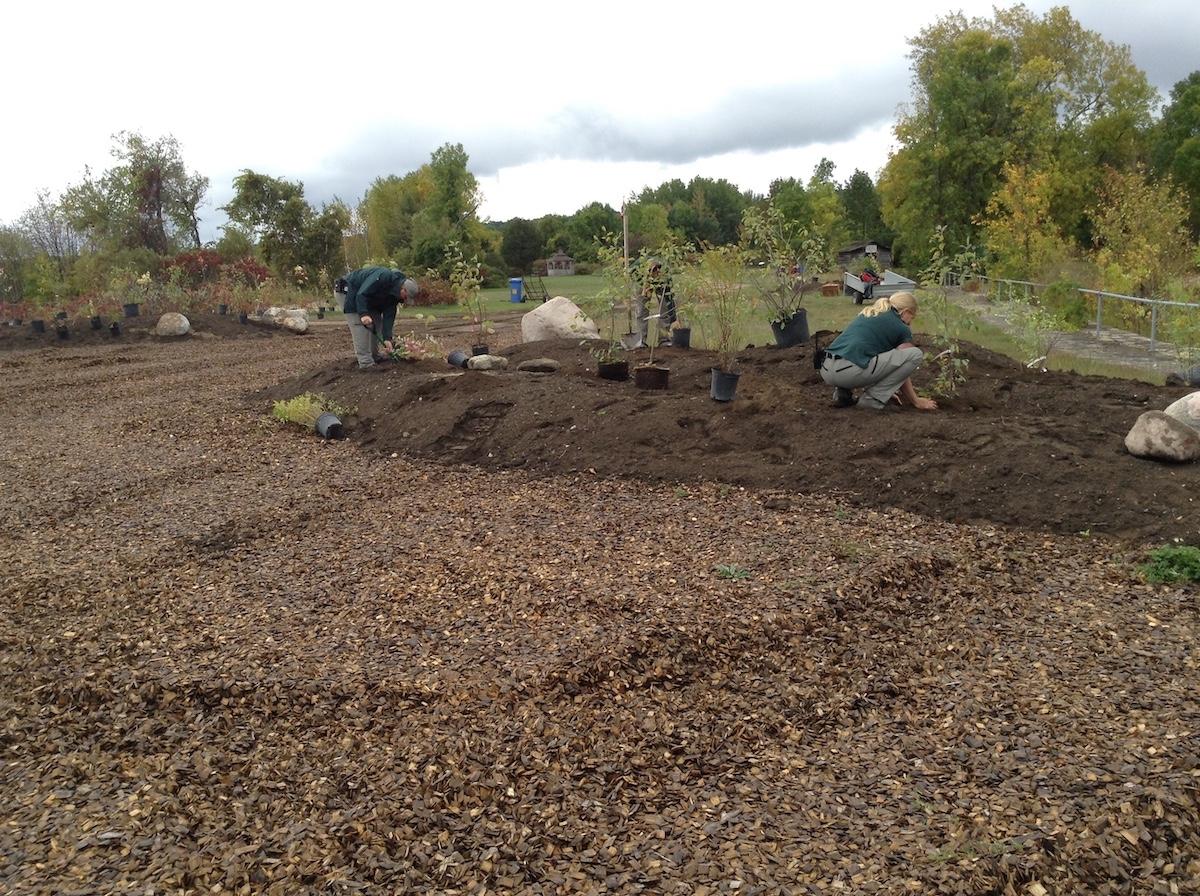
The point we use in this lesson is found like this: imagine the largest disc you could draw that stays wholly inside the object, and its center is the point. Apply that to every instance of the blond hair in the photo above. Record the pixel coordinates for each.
(897, 301)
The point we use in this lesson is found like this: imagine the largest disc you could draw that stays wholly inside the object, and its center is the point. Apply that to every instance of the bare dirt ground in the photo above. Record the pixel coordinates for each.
(235, 658)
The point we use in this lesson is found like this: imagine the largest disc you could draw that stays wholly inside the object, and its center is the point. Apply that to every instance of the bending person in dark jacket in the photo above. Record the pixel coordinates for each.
(371, 297)
(875, 353)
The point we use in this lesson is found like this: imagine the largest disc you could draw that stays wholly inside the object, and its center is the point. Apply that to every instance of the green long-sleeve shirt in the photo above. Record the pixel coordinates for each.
(865, 337)
(375, 291)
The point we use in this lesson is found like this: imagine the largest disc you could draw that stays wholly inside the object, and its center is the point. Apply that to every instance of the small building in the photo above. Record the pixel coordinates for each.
(560, 264)
(881, 252)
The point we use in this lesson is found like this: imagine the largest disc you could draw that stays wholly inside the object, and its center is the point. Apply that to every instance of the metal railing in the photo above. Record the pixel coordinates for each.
(1012, 288)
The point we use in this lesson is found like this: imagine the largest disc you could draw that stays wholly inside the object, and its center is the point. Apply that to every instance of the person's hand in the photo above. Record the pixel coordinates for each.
(366, 320)
(387, 346)
(925, 404)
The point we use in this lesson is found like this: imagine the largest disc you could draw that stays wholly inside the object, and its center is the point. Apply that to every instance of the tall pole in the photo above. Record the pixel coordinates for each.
(625, 235)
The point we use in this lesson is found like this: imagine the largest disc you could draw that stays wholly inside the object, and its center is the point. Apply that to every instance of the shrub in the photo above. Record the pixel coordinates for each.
(303, 410)
(1173, 564)
(434, 291)
(249, 271)
(1064, 300)
(196, 267)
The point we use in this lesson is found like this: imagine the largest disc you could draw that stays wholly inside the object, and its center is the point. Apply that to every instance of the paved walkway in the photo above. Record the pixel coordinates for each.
(1108, 346)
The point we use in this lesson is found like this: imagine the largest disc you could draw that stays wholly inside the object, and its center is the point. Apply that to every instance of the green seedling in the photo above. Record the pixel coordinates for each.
(732, 571)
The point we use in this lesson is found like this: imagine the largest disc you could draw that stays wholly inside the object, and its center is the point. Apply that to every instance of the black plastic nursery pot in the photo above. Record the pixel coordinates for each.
(222, 309)
(62, 315)
(243, 317)
(130, 309)
(681, 337)
(613, 370)
(458, 358)
(651, 376)
(62, 332)
(329, 426)
(39, 326)
(95, 322)
(793, 331)
(724, 385)
(114, 329)
(479, 350)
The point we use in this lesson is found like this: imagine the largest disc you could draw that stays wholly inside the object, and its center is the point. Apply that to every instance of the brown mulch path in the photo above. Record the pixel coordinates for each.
(234, 658)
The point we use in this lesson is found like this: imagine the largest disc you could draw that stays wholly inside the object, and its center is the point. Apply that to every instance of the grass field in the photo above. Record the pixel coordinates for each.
(824, 313)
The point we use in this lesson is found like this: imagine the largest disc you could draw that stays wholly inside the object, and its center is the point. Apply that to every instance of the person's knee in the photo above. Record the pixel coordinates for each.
(910, 353)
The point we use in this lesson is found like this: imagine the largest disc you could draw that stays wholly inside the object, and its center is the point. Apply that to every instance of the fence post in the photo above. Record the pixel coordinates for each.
(1099, 311)
(1153, 326)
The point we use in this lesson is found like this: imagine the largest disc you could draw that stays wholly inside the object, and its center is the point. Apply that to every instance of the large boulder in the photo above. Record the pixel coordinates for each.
(560, 318)
(1186, 410)
(1159, 436)
(172, 324)
(276, 314)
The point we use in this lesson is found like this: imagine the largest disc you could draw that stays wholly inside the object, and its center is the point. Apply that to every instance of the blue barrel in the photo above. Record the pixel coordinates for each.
(514, 290)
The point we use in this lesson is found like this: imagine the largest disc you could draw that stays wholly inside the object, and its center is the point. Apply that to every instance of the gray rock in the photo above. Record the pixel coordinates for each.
(172, 324)
(295, 324)
(560, 318)
(1186, 410)
(1159, 436)
(539, 365)
(277, 314)
(487, 362)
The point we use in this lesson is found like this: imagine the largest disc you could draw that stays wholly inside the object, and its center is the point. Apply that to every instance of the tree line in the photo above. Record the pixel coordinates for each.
(1032, 146)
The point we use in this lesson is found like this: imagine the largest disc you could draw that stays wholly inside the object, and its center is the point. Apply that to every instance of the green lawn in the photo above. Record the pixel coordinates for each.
(824, 313)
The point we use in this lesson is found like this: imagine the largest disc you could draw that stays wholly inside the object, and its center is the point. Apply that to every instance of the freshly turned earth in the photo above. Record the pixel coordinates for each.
(548, 634)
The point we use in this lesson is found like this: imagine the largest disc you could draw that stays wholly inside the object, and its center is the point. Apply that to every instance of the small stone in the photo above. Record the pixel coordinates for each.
(539, 365)
(487, 362)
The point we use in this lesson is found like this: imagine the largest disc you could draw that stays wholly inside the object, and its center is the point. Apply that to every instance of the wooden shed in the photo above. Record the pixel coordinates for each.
(882, 252)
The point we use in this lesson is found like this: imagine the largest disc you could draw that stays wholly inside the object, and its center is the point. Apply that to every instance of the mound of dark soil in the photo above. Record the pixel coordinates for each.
(1016, 446)
(133, 329)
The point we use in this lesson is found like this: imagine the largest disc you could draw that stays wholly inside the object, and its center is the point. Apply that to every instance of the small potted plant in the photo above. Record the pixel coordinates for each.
(16, 313)
(37, 315)
(788, 252)
(310, 411)
(466, 277)
(716, 283)
(605, 305)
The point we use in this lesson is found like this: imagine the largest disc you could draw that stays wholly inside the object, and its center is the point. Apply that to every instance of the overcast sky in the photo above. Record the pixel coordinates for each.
(558, 104)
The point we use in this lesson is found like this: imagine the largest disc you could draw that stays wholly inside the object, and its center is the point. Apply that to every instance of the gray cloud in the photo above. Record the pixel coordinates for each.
(754, 120)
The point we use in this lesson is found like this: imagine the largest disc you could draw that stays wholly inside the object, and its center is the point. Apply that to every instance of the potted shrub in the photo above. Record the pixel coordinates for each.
(466, 277)
(310, 411)
(787, 252)
(650, 375)
(16, 313)
(37, 316)
(137, 293)
(604, 306)
(716, 284)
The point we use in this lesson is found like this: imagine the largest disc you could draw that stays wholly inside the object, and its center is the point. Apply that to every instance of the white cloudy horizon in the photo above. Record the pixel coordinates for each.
(556, 106)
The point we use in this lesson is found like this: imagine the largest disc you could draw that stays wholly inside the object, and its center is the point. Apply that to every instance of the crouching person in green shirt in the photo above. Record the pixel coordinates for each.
(875, 353)
(371, 296)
